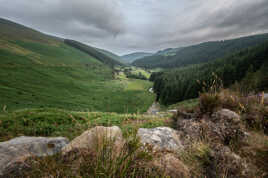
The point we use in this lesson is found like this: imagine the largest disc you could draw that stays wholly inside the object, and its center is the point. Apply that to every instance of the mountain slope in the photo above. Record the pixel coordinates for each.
(92, 52)
(184, 83)
(41, 71)
(200, 53)
(129, 58)
(168, 52)
(111, 55)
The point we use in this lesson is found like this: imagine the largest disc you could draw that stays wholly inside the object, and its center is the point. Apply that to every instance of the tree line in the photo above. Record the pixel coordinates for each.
(186, 82)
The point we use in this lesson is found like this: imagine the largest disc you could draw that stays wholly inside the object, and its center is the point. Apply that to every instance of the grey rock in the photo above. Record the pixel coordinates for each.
(171, 165)
(14, 152)
(161, 139)
(227, 115)
(223, 127)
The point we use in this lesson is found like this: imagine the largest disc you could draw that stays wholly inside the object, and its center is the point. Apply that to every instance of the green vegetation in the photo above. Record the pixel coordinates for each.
(186, 83)
(40, 71)
(93, 52)
(56, 122)
(136, 73)
(111, 55)
(129, 58)
(200, 53)
(191, 103)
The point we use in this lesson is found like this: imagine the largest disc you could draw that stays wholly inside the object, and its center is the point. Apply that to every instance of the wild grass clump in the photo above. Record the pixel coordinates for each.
(130, 161)
(209, 102)
(209, 99)
(197, 157)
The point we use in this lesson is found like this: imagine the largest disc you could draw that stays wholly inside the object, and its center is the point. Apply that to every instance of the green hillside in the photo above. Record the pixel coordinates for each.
(129, 58)
(200, 53)
(93, 52)
(41, 71)
(111, 55)
(248, 66)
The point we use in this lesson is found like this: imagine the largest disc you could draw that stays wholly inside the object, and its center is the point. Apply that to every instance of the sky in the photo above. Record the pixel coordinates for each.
(125, 26)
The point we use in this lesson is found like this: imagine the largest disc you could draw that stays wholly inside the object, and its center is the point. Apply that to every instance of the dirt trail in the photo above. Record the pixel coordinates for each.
(154, 109)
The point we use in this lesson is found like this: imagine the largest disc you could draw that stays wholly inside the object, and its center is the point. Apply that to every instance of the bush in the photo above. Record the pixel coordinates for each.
(209, 102)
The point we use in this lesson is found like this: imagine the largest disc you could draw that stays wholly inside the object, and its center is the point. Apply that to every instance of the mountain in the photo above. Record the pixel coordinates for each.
(129, 58)
(93, 52)
(168, 52)
(174, 85)
(111, 55)
(200, 53)
(42, 71)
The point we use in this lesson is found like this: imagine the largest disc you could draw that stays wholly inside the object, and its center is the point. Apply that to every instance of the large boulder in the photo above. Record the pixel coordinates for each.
(92, 139)
(171, 166)
(222, 127)
(13, 153)
(160, 139)
(226, 115)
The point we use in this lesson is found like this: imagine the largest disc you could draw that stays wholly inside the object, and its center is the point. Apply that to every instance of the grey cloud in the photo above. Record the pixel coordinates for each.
(140, 25)
(56, 15)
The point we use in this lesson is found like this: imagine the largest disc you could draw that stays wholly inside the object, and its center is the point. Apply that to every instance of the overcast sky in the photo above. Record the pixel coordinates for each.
(124, 26)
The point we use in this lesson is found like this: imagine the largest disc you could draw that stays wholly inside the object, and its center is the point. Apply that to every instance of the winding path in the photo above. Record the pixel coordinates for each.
(154, 109)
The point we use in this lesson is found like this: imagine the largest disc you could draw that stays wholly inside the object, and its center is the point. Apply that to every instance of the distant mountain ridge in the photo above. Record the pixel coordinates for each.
(129, 58)
(112, 55)
(101, 56)
(200, 53)
(168, 52)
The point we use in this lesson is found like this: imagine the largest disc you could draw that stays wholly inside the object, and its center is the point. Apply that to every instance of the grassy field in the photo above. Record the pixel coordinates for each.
(56, 122)
(40, 71)
(73, 88)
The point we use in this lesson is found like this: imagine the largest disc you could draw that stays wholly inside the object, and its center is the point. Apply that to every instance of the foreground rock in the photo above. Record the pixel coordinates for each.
(13, 153)
(95, 137)
(161, 139)
(223, 127)
(221, 131)
(171, 166)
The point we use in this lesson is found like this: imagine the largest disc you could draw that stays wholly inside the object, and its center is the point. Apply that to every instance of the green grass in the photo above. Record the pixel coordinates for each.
(185, 104)
(56, 122)
(42, 73)
(73, 88)
(136, 71)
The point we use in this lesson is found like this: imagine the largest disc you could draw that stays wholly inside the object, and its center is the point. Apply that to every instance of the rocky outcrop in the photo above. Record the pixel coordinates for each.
(171, 166)
(95, 137)
(220, 130)
(13, 153)
(226, 115)
(222, 127)
(161, 139)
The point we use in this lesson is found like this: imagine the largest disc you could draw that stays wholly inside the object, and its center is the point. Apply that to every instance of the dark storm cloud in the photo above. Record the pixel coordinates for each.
(99, 18)
(141, 25)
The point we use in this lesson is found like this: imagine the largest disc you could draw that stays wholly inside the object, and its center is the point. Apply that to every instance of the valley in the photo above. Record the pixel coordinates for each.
(39, 71)
(68, 109)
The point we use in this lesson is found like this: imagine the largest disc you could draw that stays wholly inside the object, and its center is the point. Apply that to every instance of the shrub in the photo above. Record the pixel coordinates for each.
(209, 102)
